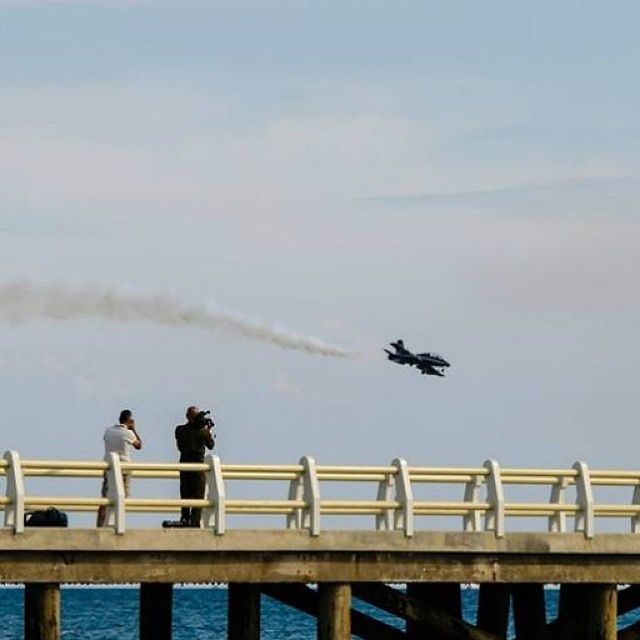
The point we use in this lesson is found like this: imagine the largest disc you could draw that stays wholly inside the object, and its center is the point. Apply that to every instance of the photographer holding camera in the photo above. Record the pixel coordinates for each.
(118, 439)
(192, 438)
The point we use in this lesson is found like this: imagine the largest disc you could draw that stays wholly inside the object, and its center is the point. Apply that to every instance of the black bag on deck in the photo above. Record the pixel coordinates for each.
(173, 524)
(50, 517)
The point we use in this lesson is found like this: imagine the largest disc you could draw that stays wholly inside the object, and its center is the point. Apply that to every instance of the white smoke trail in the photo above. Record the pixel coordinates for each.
(21, 302)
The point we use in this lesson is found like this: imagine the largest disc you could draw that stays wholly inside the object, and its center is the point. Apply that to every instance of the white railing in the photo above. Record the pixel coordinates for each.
(483, 505)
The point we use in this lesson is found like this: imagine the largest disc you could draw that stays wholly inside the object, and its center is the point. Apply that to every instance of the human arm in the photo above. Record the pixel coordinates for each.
(137, 443)
(209, 438)
(132, 436)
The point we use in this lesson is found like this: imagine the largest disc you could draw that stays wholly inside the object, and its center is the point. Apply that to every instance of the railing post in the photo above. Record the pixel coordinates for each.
(404, 495)
(635, 519)
(14, 511)
(296, 492)
(215, 515)
(494, 518)
(384, 520)
(311, 518)
(115, 513)
(558, 521)
(471, 520)
(584, 520)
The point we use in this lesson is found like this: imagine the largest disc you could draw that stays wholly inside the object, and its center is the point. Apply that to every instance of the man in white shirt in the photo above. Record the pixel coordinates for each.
(118, 439)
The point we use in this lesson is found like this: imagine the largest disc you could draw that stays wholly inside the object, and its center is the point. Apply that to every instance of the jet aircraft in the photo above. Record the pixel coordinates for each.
(429, 364)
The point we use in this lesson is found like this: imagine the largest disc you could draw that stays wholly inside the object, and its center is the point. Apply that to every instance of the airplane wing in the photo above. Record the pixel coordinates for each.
(430, 356)
(433, 359)
(427, 369)
(400, 359)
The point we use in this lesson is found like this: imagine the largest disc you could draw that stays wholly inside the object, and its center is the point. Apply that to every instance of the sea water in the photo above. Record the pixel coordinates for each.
(198, 613)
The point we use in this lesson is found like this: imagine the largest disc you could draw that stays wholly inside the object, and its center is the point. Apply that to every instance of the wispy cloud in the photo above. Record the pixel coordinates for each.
(48, 3)
(82, 172)
(605, 195)
(114, 145)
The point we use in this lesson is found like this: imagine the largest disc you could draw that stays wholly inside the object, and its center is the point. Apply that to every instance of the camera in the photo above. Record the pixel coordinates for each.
(203, 421)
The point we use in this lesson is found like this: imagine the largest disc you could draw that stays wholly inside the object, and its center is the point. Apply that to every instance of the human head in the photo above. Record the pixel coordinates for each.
(126, 417)
(192, 412)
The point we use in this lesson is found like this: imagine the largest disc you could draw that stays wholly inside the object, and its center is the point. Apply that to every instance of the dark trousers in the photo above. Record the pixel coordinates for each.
(192, 485)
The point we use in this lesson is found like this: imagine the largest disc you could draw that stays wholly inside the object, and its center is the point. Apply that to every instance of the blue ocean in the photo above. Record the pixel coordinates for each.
(112, 614)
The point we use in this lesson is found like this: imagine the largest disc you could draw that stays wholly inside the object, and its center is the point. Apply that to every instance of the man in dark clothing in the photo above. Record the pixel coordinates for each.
(192, 438)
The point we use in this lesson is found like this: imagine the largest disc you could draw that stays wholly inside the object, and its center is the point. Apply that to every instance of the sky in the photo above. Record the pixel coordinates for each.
(463, 175)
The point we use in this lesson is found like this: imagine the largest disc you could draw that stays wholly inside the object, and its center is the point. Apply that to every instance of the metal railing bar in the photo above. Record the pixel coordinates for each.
(533, 513)
(63, 473)
(626, 473)
(281, 511)
(156, 475)
(448, 471)
(444, 479)
(537, 480)
(65, 464)
(76, 508)
(164, 466)
(360, 504)
(259, 475)
(442, 512)
(566, 473)
(615, 482)
(67, 501)
(288, 468)
(257, 504)
(467, 506)
(364, 511)
(385, 470)
(170, 502)
(627, 509)
(546, 506)
(352, 477)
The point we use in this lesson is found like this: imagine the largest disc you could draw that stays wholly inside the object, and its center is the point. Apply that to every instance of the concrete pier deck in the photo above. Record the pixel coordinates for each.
(274, 556)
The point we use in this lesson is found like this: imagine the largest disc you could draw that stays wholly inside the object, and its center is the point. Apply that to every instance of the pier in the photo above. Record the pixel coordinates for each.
(510, 547)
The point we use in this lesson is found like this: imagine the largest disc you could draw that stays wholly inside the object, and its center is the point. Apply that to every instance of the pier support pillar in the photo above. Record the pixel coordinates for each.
(603, 612)
(243, 611)
(588, 612)
(444, 596)
(334, 611)
(493, 608)
(529, 611)
(42, 611)
(156, 599)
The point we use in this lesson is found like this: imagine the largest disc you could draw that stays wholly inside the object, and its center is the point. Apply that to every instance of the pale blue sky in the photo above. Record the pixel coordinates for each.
(464, 175)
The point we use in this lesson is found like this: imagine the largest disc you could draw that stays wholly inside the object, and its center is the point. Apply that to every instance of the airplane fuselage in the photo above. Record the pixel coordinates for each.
(428, 363)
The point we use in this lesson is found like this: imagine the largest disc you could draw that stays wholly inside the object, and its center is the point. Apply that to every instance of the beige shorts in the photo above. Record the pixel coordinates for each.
(126, 478)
